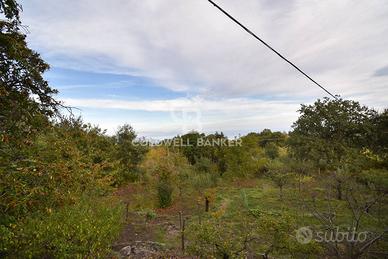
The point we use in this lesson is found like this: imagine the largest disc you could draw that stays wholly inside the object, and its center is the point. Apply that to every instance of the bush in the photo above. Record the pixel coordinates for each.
(164, 193)
(212, 240)
(272, 151)
(150, 215)
(84, 230)
(260, 234)
(205, 165)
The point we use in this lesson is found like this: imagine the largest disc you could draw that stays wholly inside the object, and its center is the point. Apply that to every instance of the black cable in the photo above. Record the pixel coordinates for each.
(268, 46)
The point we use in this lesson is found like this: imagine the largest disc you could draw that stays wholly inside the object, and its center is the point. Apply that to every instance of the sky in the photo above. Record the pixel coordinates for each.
(170, 66)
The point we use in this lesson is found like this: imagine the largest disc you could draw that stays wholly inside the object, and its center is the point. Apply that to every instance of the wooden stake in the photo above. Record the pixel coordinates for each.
(180, 220)
(126, 211)
(183, 236)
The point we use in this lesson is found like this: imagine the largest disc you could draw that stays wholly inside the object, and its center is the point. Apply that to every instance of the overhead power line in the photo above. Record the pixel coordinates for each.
(268, 46)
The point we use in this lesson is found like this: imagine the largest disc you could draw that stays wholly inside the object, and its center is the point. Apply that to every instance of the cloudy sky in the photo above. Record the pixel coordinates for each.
(170, 66)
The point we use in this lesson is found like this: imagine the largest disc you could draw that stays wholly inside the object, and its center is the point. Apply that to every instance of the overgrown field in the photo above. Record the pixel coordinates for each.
(70, 190)
(246, 217)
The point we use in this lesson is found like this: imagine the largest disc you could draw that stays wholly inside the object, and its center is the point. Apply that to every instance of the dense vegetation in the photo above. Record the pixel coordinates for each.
(58, 176)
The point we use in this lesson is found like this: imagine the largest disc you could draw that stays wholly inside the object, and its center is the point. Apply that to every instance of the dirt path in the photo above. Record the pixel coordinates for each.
(145, 237)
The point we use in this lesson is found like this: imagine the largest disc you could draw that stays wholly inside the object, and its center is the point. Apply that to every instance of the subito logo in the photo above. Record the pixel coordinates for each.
(304, 235)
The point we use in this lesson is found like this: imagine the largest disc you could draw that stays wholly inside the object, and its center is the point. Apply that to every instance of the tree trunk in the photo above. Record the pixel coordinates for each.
(300, 183)
(339, 191)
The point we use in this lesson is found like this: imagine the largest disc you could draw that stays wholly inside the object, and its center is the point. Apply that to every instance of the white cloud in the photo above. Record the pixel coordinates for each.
(190, 46)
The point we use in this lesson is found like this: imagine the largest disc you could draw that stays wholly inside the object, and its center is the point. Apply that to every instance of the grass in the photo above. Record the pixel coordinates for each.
(231, 204)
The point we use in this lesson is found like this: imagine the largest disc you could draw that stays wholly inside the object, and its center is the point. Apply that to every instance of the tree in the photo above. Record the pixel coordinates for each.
(26, 98)
(190, 146)
(272, 150)
(217, 153)
(331, 129)
(359, 213)
(279, 174)
(338, 179)
(245, 160)
(302, 168)
(11, 10)
(165, 170)
(267, 136)
(48, 162)
(380, 137)
(129, 153)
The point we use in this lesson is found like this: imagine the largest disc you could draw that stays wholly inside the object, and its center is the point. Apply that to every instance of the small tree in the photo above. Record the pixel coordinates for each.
(165, 191)
(279, 174)
(272, 150)
(164, 170)
(338, 180)
(128, 153)
(361, 216)
(302, 168)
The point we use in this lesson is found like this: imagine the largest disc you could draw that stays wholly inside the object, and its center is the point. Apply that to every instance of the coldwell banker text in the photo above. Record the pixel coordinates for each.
(200, 142)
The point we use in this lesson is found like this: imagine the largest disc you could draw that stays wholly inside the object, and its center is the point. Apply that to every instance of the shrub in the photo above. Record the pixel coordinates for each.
(272, 151)
(164, 193)
(261, 234)
(150, 215)
(83, 230)
(212, 240)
